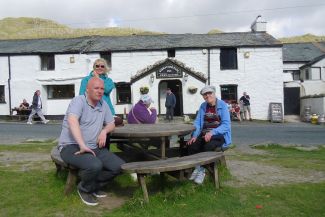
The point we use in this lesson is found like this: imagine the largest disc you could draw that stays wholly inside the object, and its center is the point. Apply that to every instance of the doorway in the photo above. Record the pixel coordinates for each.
(176, 88)
(292, 100)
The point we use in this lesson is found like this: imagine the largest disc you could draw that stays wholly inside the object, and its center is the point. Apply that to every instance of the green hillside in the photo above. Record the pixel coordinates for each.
(29, 28)
(215, 31)
(303, 38)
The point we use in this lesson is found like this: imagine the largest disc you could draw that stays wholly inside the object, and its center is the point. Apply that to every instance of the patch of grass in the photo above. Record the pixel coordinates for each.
(39, 192)
(43, 147)
(288, 157)
(190, 200)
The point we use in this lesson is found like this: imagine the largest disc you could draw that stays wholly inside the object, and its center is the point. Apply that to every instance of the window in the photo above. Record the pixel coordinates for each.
(2, 94)
(47, 62)
(171, 52)
(228, 58)
(229, 92)
(307, 75)
(123, 93)
(315, 73)
(108, 57)
(296, 75)
(60, 91)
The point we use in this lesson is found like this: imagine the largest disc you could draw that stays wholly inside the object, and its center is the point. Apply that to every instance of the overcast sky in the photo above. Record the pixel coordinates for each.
(284, 18)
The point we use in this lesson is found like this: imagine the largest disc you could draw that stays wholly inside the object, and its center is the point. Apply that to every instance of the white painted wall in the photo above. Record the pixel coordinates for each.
(260, 75)
(317, 105)
(4, 75)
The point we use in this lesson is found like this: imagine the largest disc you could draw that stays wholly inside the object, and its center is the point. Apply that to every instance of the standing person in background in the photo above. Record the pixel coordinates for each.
(245, 99)
(100, 70)
(37, 108)
(170, 104)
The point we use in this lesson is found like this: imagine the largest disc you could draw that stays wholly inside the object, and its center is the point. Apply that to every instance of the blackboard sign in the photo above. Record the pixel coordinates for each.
(169, 71)
(276, 113)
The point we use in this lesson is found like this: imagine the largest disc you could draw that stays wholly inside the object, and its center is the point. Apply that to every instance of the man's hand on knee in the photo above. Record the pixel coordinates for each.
(85, 149)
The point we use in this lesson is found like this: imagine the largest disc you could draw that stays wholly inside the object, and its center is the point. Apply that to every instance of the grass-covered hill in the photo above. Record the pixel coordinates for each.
(303, 38)
(29, 28)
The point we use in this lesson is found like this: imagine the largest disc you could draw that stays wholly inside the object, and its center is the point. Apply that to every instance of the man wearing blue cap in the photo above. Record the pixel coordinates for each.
(212, 129)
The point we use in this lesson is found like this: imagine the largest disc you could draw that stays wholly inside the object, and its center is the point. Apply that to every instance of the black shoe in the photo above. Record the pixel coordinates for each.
(87, 198)
(99, 194)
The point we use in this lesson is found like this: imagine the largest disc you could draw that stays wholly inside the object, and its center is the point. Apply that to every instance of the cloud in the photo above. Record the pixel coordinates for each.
(284, 18)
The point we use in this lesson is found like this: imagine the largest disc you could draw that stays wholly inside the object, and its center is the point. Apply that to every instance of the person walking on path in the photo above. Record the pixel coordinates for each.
(245, 100)
(170, 104)
(37, 108)
(212, 129)
(86, 124)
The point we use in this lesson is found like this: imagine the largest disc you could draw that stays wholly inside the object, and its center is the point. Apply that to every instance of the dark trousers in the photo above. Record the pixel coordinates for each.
(169, 113)
(95, 172)
(200, 145)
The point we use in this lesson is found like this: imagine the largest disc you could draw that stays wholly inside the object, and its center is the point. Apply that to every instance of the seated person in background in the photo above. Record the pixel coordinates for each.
(23, 108)
(236, 111)
(142, 113)
(212, 129)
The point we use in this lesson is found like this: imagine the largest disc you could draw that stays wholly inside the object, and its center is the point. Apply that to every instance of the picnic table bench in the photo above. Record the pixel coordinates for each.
(61, 165)
(208, 159)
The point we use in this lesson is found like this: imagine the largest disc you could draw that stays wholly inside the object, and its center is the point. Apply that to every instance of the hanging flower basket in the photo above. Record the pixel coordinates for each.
(192, 89)
(144, 90)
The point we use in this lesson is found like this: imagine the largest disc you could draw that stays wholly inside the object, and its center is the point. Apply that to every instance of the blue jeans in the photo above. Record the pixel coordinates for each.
(95, 172)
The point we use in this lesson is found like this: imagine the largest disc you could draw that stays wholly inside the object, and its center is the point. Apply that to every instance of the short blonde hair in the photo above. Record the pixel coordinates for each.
(103, 61)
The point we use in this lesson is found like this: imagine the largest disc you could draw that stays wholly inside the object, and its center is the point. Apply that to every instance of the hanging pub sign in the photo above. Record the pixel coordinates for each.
(169, 71)
(276, 113)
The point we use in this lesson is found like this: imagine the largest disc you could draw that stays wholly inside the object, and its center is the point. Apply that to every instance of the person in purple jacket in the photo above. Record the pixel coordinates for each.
(142, 113)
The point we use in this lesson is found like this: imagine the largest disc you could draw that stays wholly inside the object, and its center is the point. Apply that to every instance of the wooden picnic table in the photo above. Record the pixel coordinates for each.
(146, 131)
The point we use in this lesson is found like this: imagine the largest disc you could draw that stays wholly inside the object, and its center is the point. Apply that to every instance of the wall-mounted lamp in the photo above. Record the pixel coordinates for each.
(185, 77)
(247, 54)
(72, 60)
(152, 78)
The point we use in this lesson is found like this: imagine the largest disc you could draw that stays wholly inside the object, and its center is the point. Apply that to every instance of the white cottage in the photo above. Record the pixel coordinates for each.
(304, 77)
(233, 62)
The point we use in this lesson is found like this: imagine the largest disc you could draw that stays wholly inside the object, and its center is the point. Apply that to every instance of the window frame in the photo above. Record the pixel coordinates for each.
(226, 56)
(4, 94)
(46, 61)
(60, 98)
(235, 92)
(123, 85)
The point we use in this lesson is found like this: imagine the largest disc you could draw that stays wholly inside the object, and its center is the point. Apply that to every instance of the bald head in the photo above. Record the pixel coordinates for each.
(95, 89)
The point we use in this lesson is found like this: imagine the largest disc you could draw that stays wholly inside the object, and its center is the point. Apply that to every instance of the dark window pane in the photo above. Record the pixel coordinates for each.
(229, 92)
(60, 91)
(296, 75)
(108, 57)
(2, 94)
(47, 62)
(123, 93)
(228, 58)
(171, 53)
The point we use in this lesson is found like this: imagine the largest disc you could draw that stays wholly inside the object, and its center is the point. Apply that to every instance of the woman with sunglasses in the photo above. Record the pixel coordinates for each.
(100, 70)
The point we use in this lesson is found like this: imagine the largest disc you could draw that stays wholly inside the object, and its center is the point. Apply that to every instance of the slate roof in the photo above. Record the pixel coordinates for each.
(302, 52)
(315, 60)
(137, 42)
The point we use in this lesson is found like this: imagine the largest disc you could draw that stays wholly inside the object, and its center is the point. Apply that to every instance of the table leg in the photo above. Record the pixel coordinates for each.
(163, 147)
(142, 182)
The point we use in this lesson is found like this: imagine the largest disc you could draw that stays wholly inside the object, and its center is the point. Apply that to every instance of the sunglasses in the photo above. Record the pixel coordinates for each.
(99, 66)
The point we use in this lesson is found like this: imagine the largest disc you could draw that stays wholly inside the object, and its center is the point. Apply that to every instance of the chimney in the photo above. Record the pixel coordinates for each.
(258, 25)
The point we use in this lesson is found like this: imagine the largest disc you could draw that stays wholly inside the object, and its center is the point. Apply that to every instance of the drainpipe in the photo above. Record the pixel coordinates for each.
(208, 66)
(9, 86)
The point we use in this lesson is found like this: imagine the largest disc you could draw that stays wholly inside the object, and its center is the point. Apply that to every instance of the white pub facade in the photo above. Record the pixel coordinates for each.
(232, 62)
